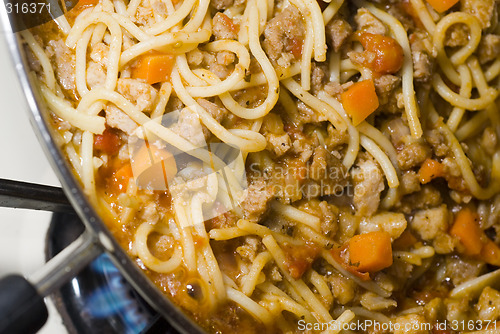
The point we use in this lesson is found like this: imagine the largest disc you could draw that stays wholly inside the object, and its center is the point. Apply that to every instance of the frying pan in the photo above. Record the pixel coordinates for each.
(22, 309)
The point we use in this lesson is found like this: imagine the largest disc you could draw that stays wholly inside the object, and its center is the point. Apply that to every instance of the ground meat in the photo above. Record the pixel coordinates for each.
(367, 22)
(159, 7)
(460, 270)
(413, 154)
(282, 32)
(437, 142)
(368, 184)
(362, 58)
(335, 137)
(328, 171)
(457, 35)
(342, 288)
(489, 140)
(278, 141)
(318, 77)
(422, 66)
(225, 220)
(161, 246)
(329, 217)
(333, 88)
(217, 112)
(453, 175)
(255, 204)
(188, 126)
(481, 9)
(115, 118)
(99, 54)
(421, 49)
(385, 85)
(430, 223)
(278, 144)
(410, 153)
(444, 243)
(301, 145)
(397, 131)
(223, 27)
(390, 222)
(374, 302)
(150, 214)
(195, 57)
(489, 48)
(96, 75)
(225, 58)
(140, 93)
(337, 33)
(488, 306)
(210, 60)
(307, 115)
(144, 15)
(251, 97)
(427, 197)
(221, 4)
(64, 60)
(410, 182)
(249, 249)
(275, 275)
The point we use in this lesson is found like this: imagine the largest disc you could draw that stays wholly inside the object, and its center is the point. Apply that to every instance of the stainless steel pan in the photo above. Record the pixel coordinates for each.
(22, 309)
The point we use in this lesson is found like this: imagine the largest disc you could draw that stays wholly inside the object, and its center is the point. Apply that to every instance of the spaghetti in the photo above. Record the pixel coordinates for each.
(270, 163)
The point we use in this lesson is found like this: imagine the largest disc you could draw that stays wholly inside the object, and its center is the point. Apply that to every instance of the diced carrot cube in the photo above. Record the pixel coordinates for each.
(371, 252)
(360, 100)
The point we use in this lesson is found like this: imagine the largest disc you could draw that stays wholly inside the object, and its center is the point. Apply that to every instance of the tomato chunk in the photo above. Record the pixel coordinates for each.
(109, 142)
(300, 258)
(388, 53)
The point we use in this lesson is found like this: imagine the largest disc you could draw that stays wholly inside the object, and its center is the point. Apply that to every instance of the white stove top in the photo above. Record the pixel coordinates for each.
(22, 239)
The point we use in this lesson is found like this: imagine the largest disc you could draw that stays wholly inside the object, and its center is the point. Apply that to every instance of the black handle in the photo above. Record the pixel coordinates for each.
(22, 309)
(16, 194)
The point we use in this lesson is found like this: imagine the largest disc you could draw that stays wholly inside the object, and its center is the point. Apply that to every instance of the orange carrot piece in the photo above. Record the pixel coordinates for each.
(466, 229)
(122, 177)
(389, 55)
(430, 170)
(153, 67)
(371, 252)
(339, 254)
(405, 240)
(360, 100)
(153, 167)
(86, 3)
(490, 253)
(442, 5)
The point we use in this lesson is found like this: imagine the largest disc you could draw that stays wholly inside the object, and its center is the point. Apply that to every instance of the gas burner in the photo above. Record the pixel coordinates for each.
(98, 299)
